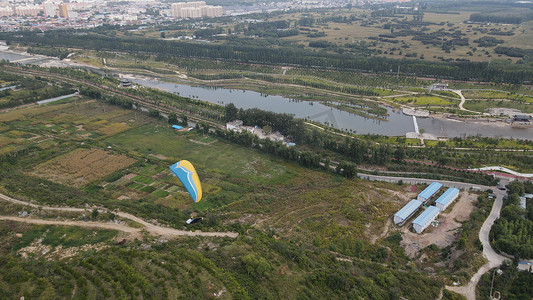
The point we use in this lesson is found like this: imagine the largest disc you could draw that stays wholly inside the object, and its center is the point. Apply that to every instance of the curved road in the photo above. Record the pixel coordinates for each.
(150, 228)
(494, 259)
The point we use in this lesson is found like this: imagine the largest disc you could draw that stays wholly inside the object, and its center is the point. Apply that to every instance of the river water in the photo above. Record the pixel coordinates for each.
(11, 56)
(397, 123)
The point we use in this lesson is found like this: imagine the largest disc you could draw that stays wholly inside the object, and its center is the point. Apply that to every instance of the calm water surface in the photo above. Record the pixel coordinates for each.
(398, 124)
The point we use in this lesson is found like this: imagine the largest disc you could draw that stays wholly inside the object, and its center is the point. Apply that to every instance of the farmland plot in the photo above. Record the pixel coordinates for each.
(82, 166)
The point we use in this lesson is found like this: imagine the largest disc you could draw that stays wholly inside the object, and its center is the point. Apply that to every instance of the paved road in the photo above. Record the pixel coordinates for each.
(150, 228)
(494, 259)
(459, 185)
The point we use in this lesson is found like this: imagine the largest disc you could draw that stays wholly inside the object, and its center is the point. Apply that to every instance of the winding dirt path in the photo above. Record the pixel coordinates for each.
(148, 227)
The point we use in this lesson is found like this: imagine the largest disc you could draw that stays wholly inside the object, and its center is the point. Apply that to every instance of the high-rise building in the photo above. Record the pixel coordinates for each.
(49, 9)
(27, 10)
(6, 11)
(63, 10)
(195, 9)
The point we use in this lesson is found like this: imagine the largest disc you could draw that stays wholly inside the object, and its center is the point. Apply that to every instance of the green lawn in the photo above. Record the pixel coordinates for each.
(423, 100)
(224, 158)
(160, 193)
(143, 179)
(484, 105)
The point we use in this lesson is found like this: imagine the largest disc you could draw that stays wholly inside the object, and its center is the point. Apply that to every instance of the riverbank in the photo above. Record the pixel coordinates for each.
(397, 123)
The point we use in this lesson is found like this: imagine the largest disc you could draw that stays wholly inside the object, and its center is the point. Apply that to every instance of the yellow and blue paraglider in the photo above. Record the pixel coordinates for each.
(186, 173)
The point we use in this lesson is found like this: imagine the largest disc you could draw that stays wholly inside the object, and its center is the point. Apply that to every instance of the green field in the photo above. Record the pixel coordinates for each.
(292, 219)
(484, 105)
(423, 100)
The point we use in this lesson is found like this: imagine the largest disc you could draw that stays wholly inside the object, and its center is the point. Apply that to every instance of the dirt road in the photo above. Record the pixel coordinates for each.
(150, 228)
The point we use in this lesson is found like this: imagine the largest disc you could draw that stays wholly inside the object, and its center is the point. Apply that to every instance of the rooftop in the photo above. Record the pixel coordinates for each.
(424, 217)
(447, 196)
(430, 190)
(408, 209)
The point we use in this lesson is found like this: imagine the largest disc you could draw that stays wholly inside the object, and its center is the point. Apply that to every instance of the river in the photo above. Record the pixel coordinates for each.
(397, 123)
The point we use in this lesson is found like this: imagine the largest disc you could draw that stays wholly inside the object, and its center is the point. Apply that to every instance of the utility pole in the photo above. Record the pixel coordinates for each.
(398, 73)
(492, 284)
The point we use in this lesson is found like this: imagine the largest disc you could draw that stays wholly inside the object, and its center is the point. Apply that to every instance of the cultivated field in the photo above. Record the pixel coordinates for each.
(82, 166)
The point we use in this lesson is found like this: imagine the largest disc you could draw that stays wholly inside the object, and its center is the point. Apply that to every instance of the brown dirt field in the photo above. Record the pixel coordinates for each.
(82, 166)
(445, 233)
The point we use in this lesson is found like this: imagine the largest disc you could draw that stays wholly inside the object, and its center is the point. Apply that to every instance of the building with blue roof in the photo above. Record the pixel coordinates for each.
(407, 211)
(177, 127)
(447, 198)
(428, 192)
(425, 218)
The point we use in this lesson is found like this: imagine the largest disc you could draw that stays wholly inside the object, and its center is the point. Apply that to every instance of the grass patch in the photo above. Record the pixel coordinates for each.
(423, 100)
(148, 189)
(143, 179)
(160, 193)
(485, 105)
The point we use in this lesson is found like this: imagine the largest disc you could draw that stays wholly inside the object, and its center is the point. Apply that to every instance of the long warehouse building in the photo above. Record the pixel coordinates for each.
(447, 198)
(428, 192)
(425, 218)
(407, 211)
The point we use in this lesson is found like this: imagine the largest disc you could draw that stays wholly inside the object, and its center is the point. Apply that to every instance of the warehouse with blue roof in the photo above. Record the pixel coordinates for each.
(425, 218)
(447, 198)
(428, 192)
(407, 211)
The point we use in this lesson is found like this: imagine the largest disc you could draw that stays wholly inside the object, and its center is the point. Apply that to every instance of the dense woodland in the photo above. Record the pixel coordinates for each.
(512, 233)
(242, 50)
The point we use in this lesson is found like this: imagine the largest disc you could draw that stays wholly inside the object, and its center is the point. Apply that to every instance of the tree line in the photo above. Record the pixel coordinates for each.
(285, 55)
(512, 233)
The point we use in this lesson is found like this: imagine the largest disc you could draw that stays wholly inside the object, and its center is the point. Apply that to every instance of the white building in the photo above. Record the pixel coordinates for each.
(197, 9)
(447, 198)
(234, 125)
(6, 11)
(49, 9)
(428, 192)
(425, 218)
(27, 10)
(407, 211)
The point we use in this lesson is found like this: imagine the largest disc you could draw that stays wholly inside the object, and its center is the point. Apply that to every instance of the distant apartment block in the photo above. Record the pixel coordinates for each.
(49, 9)
(63, 10)
(6, 11)
(193, 10)
(27, 10)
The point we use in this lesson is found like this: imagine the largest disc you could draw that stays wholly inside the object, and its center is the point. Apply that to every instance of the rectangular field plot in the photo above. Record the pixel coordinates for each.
(134, 185)
(143, 179)
(82, 166)
(160, 193)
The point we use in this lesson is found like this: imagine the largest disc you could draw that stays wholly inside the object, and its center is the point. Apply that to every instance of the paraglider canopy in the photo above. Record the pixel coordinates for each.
(186, 173)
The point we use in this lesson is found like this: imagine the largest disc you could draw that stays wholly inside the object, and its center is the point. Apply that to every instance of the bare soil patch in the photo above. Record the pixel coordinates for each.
(445, 233)
(82, 166)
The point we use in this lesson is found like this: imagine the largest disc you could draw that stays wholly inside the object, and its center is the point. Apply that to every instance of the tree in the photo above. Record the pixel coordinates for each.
(95, 213)
(231, 112)
(516, 187)
(399, 154)
(172, 118)
(184, 120)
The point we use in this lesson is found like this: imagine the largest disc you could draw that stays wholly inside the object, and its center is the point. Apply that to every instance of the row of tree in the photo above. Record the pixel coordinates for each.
(285, 55)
